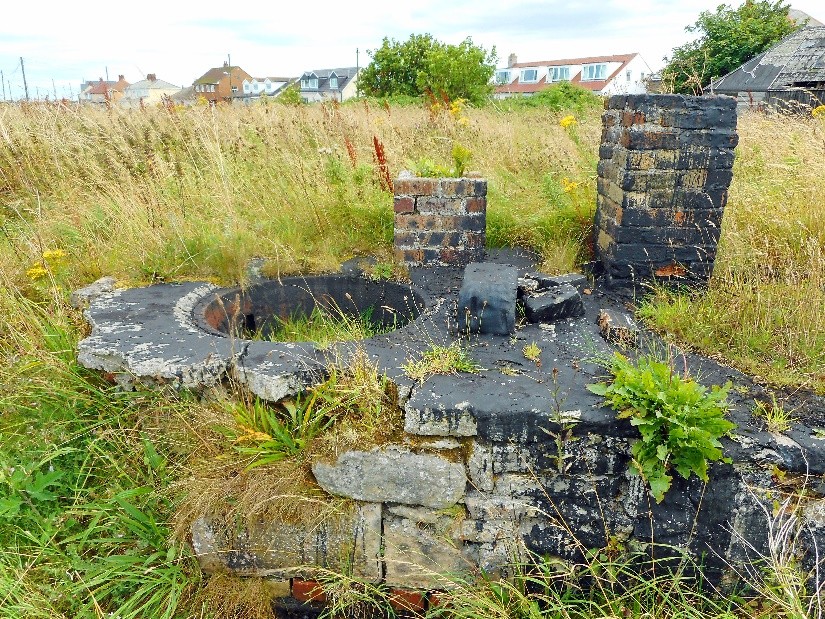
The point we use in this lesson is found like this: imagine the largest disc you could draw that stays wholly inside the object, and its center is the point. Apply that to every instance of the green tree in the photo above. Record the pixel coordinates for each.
(727, 39)
(423, 64)
(291, 95)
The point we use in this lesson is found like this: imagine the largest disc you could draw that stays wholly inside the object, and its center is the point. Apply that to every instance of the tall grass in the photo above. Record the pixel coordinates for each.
(763, 310)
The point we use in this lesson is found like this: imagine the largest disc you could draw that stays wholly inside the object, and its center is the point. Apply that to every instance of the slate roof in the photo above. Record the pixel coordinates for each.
(798, 60)
(345, 74)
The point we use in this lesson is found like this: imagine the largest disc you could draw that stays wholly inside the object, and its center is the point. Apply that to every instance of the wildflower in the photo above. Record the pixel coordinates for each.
(568, 186)
(818, 111)
(568, 121)
(463, 121)
(53, 255)
(36, 272)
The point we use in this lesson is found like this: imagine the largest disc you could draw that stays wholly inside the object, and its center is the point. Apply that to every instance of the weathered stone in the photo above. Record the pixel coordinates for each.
(147, 335)
(561, 302)
(349, 539)
(393, 476)
(436, 420)
(423, 555)
(618, 328)
(487, 299)
(82, 298)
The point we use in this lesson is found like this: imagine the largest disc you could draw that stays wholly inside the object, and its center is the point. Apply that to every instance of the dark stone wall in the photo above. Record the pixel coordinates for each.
(665, 164)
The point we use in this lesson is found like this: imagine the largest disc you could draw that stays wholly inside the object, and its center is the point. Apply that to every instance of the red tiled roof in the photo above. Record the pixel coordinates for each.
(101, 88)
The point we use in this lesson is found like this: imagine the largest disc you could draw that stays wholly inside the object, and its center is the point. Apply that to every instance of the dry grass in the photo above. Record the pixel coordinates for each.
(194, 193)
(764, 310)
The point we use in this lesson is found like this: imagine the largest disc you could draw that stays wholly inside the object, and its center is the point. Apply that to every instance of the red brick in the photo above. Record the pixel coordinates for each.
(408, 601)
(404, 204)
(437, 599)
(475, 205)
(402, 187)
(474, 240)
(408, 256)
(429, 222)
(307, 591)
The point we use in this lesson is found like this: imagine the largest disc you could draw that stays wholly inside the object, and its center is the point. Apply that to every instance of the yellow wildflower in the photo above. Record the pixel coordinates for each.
(37, 271)
(53, 255)
(818, 111)
(568, 121)
(567, 185)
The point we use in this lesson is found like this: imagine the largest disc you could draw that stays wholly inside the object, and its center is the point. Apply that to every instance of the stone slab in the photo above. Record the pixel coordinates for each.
(393, 475)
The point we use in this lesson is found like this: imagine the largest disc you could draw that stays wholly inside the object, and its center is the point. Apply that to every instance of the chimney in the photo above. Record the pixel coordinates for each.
(225, 64)
(152, 77)
(120, 78)
(512, 59)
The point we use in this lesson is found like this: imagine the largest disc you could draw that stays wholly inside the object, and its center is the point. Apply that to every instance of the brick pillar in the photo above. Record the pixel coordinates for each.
(440, 221)
(665, 167)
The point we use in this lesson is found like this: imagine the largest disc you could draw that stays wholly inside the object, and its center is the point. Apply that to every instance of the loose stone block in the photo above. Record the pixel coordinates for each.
(393, 476)
(562, 302)
(487, 299)
(82, 297)
(618, 328)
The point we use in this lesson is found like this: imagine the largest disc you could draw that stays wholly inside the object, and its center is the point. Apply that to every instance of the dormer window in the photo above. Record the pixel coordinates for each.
(246, 86)
(502, 77)
(591, 72)
(333, 81)
(309, 81)
(529, 76)
(558, 74)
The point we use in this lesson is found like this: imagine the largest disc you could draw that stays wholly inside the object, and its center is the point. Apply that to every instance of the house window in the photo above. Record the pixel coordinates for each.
(529, 75)
(558, 74)
(246, 87)
(592, 72)
(628, 76)
(642, 76)
(333, 81)
(502, 77)
(309, 81)
(235, 89)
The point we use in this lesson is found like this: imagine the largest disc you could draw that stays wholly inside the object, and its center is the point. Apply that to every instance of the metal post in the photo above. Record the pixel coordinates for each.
(25, 85)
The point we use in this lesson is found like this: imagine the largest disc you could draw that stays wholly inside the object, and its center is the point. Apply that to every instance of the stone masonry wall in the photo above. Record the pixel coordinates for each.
(665, 167)
(440, 220)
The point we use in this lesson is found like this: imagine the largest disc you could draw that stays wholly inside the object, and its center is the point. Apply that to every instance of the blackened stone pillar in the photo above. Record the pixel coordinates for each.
(665, 167)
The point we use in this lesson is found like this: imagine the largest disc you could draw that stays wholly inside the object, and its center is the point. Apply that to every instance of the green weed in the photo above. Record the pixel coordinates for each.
(679, 420)
(449, 359)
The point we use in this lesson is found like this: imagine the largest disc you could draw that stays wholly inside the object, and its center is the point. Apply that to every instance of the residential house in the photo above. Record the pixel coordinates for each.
(329, 84)
(105, 92)
(150, 91)
(603, 75)
(254, 88)
(220, 83)
(791, 73)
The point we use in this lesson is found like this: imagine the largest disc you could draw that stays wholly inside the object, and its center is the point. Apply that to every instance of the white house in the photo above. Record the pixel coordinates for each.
(150, 91)
(603, 75)
(328, 84)
(252, 89)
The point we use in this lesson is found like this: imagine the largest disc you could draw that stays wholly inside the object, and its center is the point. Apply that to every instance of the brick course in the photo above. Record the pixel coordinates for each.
(439, 221)
(665, 166)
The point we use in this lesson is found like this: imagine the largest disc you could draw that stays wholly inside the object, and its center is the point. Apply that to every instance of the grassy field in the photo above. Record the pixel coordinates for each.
(91, 479)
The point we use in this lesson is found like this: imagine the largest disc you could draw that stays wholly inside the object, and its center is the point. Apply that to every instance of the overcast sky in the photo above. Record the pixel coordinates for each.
(63, 43)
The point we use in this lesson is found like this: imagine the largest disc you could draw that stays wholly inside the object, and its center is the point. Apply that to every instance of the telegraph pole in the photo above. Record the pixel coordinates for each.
(25, 85)
(3, 83)
(357, 70)
(229, 61)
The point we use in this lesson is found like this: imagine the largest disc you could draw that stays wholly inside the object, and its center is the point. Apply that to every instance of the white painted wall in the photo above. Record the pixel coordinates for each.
(638, 70)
